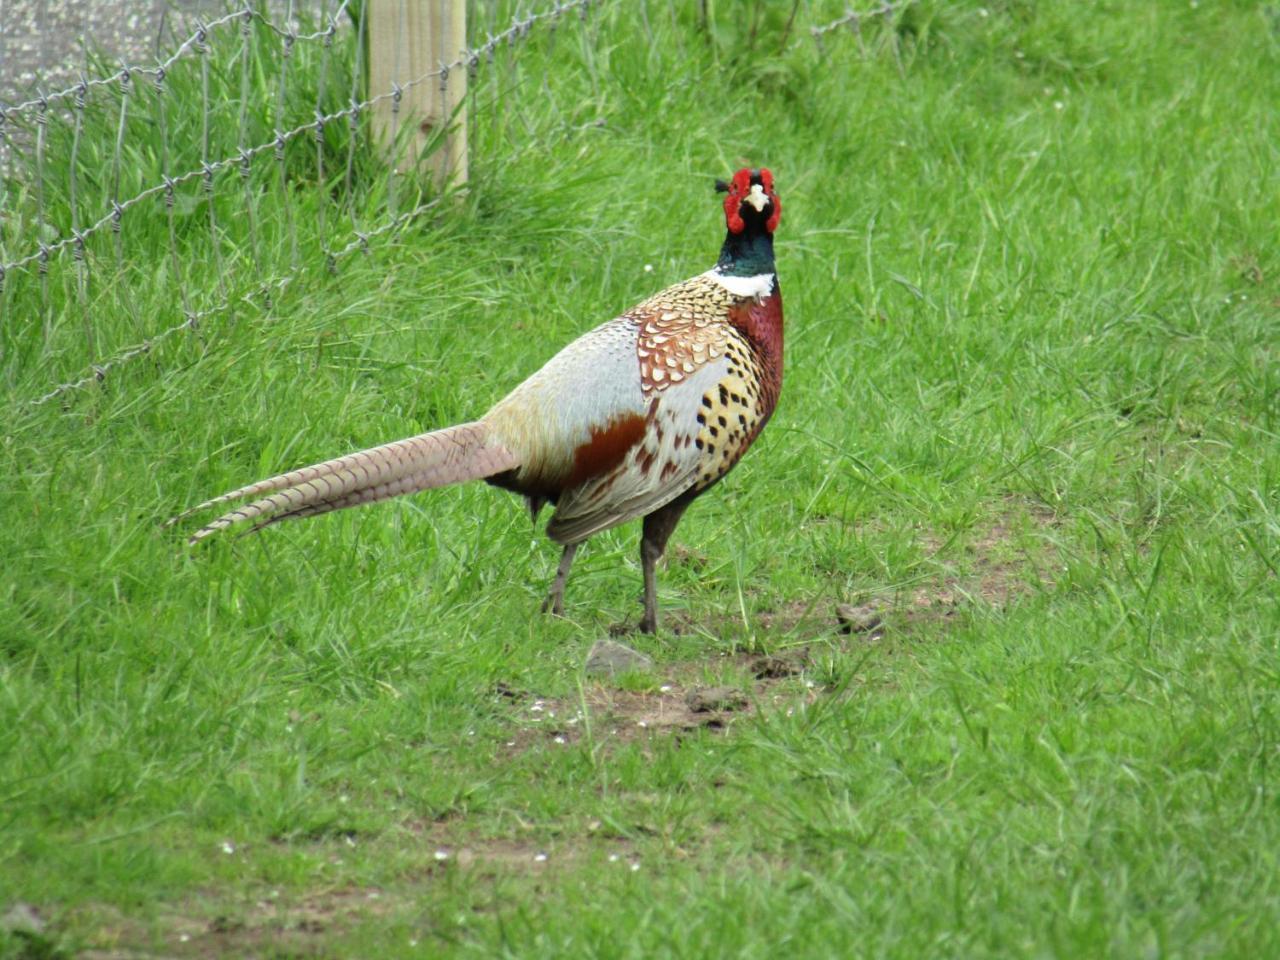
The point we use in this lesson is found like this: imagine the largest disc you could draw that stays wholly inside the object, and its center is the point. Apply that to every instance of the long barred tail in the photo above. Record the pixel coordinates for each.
(452, 455)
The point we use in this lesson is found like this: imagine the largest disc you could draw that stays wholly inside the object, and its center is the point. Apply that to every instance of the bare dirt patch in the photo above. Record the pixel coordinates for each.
(995, 561)
(606, 714)
(272, 922)
(675, 701)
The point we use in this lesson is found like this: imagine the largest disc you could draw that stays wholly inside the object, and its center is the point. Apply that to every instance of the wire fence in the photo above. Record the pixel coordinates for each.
(188, 147)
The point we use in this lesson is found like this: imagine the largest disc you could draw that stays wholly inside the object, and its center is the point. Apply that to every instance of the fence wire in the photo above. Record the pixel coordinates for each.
(27, 126)
(853, 19)
(195, 41)
(49, 244)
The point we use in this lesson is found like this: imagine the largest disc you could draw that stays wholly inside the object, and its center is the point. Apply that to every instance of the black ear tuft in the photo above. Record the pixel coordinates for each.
(722, 186)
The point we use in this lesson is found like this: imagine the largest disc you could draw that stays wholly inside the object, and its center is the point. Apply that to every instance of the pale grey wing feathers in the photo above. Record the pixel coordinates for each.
(589, 383)
(663, 466)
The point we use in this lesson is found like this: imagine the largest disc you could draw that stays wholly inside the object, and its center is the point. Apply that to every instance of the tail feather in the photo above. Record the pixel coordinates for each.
(383, 491)
(452, 455)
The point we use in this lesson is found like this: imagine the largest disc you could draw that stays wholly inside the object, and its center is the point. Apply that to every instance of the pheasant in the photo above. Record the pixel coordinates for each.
(634, 419)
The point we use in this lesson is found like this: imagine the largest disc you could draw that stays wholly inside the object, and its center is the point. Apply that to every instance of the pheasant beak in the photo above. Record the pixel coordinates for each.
(757, 198)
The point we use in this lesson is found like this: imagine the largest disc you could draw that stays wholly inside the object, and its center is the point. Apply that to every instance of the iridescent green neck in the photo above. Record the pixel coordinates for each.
(747, 254)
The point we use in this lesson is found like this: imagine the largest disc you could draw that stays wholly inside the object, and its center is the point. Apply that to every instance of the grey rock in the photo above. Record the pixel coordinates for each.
(608, 657)
(22, 918)
(863, 619)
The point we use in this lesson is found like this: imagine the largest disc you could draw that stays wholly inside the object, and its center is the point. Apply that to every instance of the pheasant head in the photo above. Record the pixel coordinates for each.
(752, 211)
(751, 201)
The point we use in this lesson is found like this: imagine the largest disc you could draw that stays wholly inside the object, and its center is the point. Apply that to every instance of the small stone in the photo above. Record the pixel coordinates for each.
(713, 699)
(775, 666)
(22, 918)
(608, 657)
(860, 619)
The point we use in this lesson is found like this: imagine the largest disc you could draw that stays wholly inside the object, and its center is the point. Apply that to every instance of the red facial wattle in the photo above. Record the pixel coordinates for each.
(739, 187)
(766, 180)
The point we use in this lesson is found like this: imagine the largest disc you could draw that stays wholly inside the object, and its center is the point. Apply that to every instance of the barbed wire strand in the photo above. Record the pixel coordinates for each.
(242, 138)
(82, 263)
(291, 226)
(170, 192)
(121, 127)
(469, 58)
(98, 371)
(519, 29)
(853, 20)
(127, 71)
(353, 119)
(245, 155)
(323, 205)
(202, 47)
(42, 124)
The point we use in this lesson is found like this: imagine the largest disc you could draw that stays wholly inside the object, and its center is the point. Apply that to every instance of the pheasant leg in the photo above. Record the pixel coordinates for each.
(658, 527)
(555, 599)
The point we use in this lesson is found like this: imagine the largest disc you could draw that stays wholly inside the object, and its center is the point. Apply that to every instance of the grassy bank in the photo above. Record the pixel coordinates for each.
(1030, 415)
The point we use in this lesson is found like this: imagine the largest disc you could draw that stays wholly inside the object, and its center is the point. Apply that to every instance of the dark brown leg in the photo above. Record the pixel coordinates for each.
(658, 527)
(555, 599)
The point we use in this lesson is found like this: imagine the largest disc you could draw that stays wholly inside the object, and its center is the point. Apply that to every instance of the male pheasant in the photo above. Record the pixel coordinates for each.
(633, 419)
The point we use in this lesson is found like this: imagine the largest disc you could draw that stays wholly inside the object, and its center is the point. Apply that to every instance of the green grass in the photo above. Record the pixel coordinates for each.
(1031, 410)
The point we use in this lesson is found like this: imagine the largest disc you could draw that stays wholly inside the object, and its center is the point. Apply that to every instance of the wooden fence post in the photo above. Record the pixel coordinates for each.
(408, 39)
